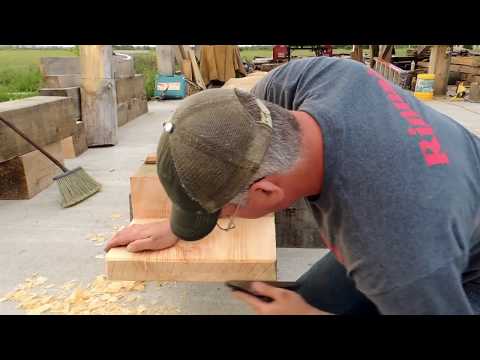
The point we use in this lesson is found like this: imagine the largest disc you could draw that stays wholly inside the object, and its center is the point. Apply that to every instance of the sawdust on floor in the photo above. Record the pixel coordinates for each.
(100, 297)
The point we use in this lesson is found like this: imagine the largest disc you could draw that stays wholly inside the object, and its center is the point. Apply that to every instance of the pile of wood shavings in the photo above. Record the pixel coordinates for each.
(101, 297)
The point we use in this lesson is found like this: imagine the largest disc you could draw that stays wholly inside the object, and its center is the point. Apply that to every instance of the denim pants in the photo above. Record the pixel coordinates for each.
(327, 287)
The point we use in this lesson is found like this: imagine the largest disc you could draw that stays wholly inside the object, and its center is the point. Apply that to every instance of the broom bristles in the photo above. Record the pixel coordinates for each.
(76, 186)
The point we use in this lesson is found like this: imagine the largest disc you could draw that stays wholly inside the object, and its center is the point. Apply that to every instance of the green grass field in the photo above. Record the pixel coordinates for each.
(20, 73)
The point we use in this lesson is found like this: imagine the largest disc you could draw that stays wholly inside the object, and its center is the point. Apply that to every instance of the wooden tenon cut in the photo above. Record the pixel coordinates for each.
(247, 252)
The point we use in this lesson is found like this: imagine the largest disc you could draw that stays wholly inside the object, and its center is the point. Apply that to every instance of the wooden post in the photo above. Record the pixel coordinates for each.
(357, 53)
(439, 65)
(374, 49)
(198, 52)
(166, 59)
(98, 93)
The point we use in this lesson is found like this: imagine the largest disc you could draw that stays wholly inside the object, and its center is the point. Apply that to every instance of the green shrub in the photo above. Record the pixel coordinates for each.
(146, 64)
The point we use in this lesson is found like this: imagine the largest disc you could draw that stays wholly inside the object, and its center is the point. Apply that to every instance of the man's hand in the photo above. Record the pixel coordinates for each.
(285, 302)
(139, 237)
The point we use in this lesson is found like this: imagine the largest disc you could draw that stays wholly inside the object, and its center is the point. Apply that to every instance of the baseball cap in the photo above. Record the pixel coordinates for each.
(210, 149)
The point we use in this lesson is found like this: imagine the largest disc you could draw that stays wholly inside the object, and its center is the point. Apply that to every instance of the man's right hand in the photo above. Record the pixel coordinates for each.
(139, 237)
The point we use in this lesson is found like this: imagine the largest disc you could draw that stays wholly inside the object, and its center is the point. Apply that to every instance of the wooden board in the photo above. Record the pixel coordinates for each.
(25, 176)
(439, 65)
(187, 69)
(149, 200)
(72, 92)
(68, 149)
(61, 81)
(76, 144)
(465, 69)
(196, 70)
(466, 60)
(45, 119)
(246, 83)
(151, 159)
(245, 253)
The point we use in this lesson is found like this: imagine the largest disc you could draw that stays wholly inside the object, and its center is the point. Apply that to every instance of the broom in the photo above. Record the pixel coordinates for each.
(74, 185)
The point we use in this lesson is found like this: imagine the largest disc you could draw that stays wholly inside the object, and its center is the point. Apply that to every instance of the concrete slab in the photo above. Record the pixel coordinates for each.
(38, 236)
(466, 113)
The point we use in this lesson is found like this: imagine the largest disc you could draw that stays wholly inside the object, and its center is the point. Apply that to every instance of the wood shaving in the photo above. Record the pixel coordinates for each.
(100, 297)
(100, 256)
(116, 216)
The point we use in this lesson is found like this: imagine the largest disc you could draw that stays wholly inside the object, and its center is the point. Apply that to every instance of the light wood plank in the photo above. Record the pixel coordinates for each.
(465, 69)
(247, 252)
(149, 200)
(466, 60)
(187, 69)
(196, 70)
(151, 159)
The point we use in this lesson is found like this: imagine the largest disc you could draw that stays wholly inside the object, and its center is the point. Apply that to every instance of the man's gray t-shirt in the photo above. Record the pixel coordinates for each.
(400, 201)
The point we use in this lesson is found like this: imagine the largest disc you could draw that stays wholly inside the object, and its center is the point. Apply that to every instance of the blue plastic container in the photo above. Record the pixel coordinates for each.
(170, 86)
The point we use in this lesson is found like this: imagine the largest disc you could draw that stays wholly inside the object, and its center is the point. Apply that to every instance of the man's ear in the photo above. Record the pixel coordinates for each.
(266, 192)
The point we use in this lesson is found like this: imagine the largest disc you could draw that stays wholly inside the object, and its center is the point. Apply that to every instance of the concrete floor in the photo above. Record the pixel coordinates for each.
(38, 236)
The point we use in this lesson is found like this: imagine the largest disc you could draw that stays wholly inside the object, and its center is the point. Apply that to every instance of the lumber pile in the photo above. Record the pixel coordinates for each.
(187, 60)
(462, 68)
(468, 68)
(131, 98)
(75, 144)
(246, 83)
(47, 120)
(247, 252)
(62, 77)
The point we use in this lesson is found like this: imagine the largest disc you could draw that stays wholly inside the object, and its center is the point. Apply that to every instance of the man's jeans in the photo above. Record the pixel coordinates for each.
(327, 287)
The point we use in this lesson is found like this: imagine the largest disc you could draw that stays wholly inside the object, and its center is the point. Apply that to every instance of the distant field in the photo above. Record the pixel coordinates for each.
(20, 73)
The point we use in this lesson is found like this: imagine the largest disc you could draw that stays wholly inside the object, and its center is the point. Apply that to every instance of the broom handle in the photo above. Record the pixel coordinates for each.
(19, 132)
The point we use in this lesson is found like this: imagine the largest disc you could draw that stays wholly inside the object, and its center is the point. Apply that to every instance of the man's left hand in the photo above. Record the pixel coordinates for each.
(285, 302)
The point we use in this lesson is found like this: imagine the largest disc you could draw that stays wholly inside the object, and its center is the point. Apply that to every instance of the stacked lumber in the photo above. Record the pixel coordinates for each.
(61, 77)
(186, 59)
(462, 68)
(131, 98)
(246, 83)
(47, 120)
(63, 72)
(468, 68)
(247, 252)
